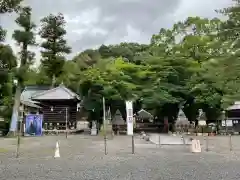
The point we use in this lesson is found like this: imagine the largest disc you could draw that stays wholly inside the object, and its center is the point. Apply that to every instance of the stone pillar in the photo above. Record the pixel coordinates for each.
(94, 128)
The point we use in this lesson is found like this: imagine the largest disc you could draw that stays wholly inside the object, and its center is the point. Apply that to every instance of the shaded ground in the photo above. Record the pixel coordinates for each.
(218, 144)
(82, 157)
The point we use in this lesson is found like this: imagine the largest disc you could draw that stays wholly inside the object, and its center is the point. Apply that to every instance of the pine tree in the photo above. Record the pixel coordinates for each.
(7, 6)
(7, 61)
(25, 38)
(2, 34)
(55, 46)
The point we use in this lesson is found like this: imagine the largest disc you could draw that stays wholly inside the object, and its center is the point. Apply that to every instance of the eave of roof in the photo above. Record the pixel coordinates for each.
(71, 93)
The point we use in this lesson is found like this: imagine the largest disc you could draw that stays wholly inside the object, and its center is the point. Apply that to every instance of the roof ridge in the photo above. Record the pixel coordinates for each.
(61, 86)
(70, 91)
(37, 87)
(42, 93)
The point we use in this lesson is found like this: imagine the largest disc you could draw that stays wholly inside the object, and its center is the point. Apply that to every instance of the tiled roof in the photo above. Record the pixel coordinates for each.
(59, 92)
(30, 104)
(144, 114)
(236, 106)
(28, 92)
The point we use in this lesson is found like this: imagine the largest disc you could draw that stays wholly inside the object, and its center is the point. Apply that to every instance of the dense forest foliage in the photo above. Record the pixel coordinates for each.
(195, 64)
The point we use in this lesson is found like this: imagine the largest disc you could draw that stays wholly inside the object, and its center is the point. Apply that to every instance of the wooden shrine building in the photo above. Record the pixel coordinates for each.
(233, 118)
(59, 107)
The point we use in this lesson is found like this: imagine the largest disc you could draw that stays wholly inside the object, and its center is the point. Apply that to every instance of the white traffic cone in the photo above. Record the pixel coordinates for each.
(57, 153)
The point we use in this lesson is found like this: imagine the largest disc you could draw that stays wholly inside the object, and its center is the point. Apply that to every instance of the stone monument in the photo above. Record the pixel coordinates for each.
(118, 122)
(117, 119)
(108, 124)
(201, 118)
(94, 128)
(201, 122)
(182, 123)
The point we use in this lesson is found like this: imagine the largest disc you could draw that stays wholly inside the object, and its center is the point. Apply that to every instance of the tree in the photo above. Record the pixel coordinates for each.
(180, 54)
(161, 76)
(228, 65)
(201, 44)
(55, 46)
(116, 80)
(7, 64)
(87, 58)
(8, 6)
(25, 38)
(124, 50)
(2, 34)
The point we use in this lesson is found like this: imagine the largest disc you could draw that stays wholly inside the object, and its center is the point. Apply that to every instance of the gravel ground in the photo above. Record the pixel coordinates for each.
(218, 144)
(82, 158)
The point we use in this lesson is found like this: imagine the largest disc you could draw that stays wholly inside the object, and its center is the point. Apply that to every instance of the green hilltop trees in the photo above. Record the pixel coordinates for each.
(194, 64)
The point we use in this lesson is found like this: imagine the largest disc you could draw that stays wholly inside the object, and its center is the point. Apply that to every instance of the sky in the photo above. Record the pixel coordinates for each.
(91, 23)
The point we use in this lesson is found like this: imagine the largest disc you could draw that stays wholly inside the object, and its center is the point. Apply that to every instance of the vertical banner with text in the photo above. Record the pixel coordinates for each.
(129, 109)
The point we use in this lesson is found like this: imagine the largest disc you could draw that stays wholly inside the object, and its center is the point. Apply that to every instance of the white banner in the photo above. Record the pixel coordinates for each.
(129, 110)
(228, 122)
(202, 123)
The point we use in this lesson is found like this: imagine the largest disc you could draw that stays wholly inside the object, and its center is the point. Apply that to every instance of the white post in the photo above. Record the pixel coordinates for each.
(66, 121)
(159, 140)
(207, 142)
(129, 112)
(104, 127)
(230, 141)
(104, 114)
(20, 120)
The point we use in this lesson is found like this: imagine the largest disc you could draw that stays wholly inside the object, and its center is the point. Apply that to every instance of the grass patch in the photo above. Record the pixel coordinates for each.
(9, 137)
(3, 150)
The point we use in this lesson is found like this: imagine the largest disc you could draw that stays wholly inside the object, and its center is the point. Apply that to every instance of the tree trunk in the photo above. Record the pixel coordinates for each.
(15, 112)
(53, 81)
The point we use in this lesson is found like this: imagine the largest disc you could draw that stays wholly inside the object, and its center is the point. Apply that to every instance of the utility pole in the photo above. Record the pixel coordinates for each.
(104, 127)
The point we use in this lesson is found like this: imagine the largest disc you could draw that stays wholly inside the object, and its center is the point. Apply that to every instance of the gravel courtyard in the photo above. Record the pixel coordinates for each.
(82, 158)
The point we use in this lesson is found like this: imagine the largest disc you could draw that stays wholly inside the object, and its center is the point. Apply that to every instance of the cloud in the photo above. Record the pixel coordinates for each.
(91, 23)
(204, 8)
(116, 20)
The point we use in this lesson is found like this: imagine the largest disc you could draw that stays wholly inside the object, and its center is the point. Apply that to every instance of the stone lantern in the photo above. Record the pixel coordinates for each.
(201, 122)
(182, 124)
(202, 118)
